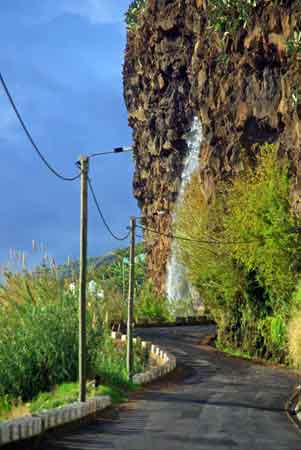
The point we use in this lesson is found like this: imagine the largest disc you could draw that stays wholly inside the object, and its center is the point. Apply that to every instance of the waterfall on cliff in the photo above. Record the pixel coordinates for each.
(178, 287)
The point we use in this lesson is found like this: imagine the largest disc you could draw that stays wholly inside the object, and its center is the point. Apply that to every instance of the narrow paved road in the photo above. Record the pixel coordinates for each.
(213, 402)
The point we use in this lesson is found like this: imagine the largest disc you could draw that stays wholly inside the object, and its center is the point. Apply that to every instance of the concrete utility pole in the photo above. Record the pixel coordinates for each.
(130, 356)
(84, 167)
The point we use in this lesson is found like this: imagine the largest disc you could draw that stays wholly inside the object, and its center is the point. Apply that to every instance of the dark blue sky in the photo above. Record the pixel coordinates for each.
(62, 61)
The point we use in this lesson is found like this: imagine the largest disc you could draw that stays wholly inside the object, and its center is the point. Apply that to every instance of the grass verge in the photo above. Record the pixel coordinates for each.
(233, 351)
(62, 395)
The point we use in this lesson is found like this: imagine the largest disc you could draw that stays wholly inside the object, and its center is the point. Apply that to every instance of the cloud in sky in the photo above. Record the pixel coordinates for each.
(96, 11)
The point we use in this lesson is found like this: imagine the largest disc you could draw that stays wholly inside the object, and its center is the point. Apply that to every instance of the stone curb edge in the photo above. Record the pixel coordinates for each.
(166, 361)
(30, 426)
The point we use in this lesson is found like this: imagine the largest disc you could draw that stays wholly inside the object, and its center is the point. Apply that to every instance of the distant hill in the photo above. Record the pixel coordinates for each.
(66, 270)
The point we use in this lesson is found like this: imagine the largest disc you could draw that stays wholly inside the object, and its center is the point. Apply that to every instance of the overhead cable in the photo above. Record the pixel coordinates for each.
(117, 238)
(30, 138)
(200, 241)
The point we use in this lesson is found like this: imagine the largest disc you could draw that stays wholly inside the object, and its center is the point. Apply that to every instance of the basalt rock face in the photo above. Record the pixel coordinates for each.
(244, 88)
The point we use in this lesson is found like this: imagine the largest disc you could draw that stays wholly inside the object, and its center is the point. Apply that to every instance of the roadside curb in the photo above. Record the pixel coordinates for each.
(31, 426)
(166, 362)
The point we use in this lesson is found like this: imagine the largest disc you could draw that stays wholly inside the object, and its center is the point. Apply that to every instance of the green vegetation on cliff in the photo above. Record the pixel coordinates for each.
(133, 12)
(248, 273)
(227, 17)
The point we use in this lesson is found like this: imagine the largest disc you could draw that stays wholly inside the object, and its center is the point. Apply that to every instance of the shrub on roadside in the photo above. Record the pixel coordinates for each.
(39, 337)
(38, 334)
(185, 308)
(247, 261)
(109, 361)
(149, 306)
(294, 332)
(113, 280)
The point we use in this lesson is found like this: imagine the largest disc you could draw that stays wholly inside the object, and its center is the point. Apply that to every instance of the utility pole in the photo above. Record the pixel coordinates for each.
(123, 281)
(84, 167)
(130, 355)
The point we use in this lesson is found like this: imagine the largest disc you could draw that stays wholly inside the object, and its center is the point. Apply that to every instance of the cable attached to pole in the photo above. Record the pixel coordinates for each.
(139, 236)
(117, 238)
(30, 138)
(200, 241)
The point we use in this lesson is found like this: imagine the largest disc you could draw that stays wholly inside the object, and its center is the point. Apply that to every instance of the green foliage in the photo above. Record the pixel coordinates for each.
(110, 362)
(61, 395)
(233, 351)
(150, 306)
(5, 406)
(183, 308)
(248, 273)
(132, 14)
(113, 279)
(294, 44)
(227, 16)
(117, 273)
(67, 393)
(259, 212)
(39, 337)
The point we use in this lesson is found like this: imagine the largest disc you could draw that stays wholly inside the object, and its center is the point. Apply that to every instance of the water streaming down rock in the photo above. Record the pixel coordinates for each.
(177, 285)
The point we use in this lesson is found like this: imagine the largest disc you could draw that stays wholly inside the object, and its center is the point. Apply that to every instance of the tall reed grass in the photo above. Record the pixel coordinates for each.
(39, 334)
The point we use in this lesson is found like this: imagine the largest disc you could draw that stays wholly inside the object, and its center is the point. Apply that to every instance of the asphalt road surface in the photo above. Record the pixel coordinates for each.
(211, 402)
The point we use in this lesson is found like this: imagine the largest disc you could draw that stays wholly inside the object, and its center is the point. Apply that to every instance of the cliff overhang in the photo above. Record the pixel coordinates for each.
(243, 86)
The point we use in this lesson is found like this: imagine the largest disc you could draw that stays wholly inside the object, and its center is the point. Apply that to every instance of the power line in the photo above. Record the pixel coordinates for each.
(117, 238)
(200, 241)
(139, 236)
(111, 152)
(30, 138)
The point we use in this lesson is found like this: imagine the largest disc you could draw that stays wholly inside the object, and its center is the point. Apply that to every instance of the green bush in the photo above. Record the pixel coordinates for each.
(248, 265)
(38, 335)
(149, 306)
(294, 331)
(113, 280)
(259, 212)
(68, 393)
(110, 362)
(183, 308)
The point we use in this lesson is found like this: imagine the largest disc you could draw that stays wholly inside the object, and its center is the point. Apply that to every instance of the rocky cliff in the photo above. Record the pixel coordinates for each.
(244, 87)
